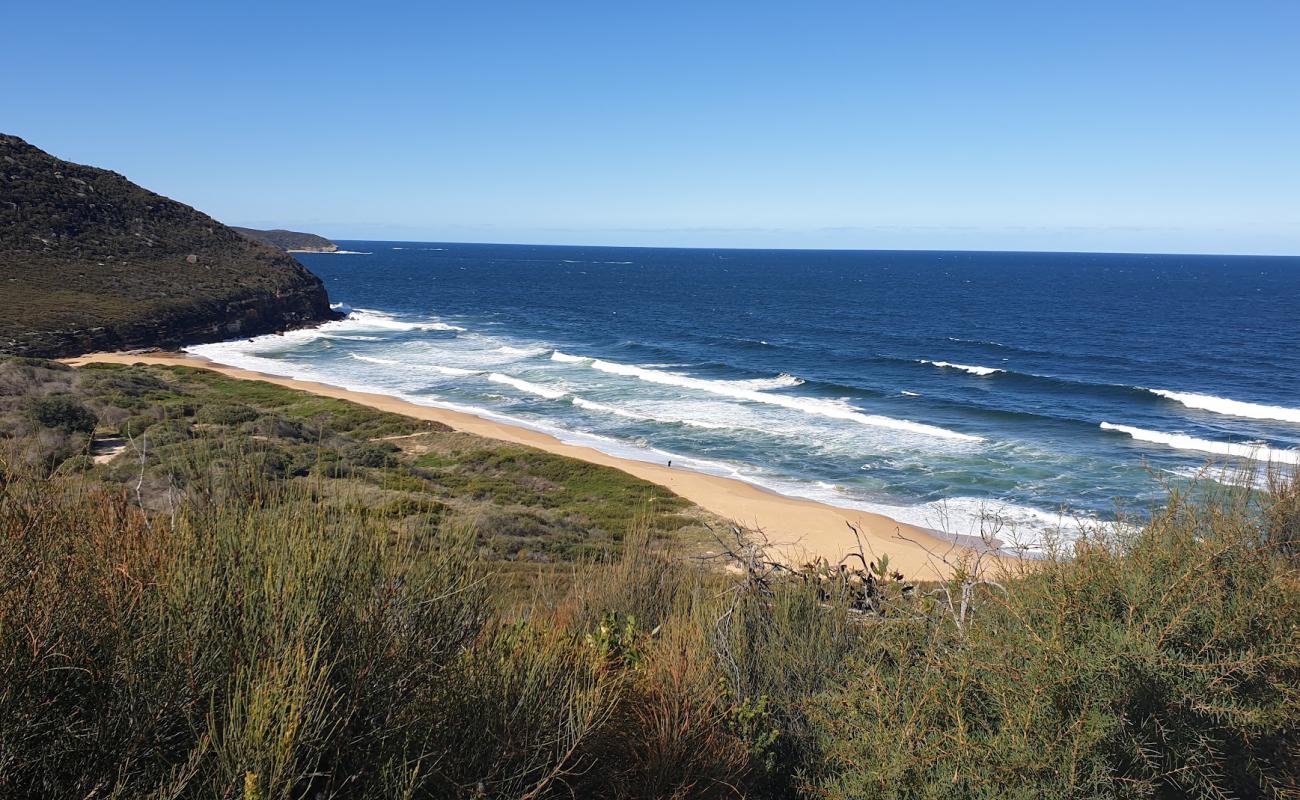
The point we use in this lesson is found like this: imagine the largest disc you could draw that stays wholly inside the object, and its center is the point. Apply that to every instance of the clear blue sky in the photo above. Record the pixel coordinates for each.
(1142, 126)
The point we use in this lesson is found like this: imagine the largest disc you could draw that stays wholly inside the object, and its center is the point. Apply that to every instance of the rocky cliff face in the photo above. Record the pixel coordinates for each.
(91, 261)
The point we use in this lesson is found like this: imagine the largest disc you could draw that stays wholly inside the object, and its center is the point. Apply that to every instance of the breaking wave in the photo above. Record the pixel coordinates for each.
(602, 408)
(364, 317)
(454, 371)
(526, 386)
(964, 367)
(807, 405)
(1233, 408)
(783, 381)
(1179, 441)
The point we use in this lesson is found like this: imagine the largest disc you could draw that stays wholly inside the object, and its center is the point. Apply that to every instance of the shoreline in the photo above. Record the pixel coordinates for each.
(800, 529)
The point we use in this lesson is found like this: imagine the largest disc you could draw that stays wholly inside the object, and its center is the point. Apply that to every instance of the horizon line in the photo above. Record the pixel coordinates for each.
(824, 249)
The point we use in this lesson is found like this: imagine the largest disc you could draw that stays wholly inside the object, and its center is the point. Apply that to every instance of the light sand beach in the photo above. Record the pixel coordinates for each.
(801, 529)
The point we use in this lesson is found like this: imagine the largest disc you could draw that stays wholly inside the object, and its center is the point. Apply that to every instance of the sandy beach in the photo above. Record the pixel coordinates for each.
(802, 529)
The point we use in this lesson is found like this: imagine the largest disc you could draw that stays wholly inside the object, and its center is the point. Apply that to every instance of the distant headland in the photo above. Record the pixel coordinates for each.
(91, 261)
(290, 241)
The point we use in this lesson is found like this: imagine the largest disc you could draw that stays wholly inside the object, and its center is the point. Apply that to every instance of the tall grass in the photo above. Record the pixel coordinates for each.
(265, 649)
(1163, 662)
(255, 642)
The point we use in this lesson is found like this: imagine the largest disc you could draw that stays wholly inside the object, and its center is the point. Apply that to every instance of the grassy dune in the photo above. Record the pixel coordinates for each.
(268, 594)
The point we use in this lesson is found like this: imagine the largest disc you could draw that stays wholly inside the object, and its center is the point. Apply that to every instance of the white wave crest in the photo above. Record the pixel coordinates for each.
(591, 405)
(367, 318)
(1227, 475)
(525, 386)
(520, 351)
(556, 355)
(906, 393)
(805, 405)
(974, 370)
(970, 520)
(438, 368)
(1234, 408)
(1178, 441)
(782, 381)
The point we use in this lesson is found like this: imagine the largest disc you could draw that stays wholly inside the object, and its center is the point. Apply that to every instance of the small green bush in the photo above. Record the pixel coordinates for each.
(227, 414)
(135, 425)
(63, 412)
(371, 454)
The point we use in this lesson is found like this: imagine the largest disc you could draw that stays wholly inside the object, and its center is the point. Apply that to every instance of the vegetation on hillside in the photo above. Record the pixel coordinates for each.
(290, 240)
(184, 435)
(90, 261)
(231, 607)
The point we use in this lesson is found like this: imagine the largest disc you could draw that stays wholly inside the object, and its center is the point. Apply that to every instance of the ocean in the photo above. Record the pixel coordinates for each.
(1004, 393)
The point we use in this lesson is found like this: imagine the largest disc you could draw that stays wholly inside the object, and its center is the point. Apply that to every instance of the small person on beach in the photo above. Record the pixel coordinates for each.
(670, 463)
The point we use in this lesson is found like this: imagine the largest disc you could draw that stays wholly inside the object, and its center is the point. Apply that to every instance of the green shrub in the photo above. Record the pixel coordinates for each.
(227, 414)
(64, 413)
(1162, 665)
(371, 454)
(135, 425)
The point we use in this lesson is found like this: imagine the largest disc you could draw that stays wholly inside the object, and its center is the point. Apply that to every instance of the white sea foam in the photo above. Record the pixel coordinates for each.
(1254, 452)
(520, 351)
(378, 320)
(782, 381)
(440, 369)
(1227, 475)
(906, 393)
(556, 355)
(1234, 408)
(971, 520)
(591, 405)
(526, 386)
(807, 405)
(965, 367)
(659, 418)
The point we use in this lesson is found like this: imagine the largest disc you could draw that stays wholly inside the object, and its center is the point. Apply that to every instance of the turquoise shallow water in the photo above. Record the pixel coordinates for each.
(955, 390)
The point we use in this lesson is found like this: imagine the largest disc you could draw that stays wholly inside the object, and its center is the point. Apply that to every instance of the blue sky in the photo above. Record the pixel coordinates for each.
(1125, 126)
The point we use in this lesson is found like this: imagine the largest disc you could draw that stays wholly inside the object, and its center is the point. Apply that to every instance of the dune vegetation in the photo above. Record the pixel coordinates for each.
(222, 588)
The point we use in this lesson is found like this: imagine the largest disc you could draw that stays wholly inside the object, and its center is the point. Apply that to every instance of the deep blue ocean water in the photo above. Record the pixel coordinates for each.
(939, 387)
